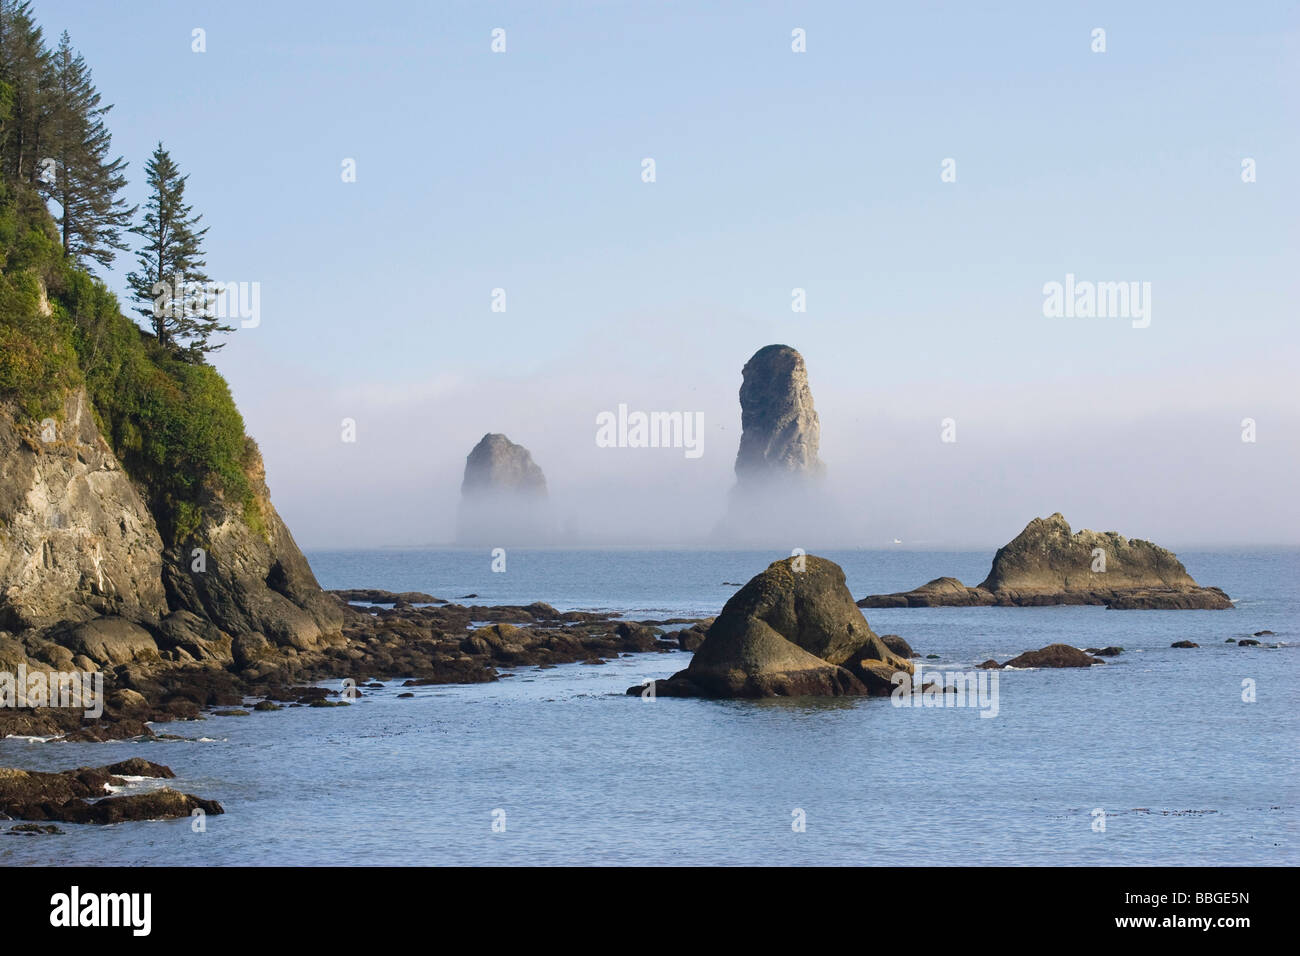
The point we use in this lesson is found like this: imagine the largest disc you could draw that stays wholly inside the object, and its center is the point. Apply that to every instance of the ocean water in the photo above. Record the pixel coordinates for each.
(1159, 743)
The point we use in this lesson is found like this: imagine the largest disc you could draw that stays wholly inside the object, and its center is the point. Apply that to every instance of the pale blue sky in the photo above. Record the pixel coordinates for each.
(774, 170)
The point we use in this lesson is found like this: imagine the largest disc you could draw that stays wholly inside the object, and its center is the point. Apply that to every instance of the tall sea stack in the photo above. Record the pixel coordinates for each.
(778, 499)
(780, 431)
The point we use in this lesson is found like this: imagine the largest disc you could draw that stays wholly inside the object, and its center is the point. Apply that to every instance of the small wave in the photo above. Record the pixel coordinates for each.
(130, 781)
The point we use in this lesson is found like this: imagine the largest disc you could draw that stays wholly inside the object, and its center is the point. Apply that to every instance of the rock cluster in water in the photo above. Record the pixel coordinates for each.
(1047, 564)
(83, 795)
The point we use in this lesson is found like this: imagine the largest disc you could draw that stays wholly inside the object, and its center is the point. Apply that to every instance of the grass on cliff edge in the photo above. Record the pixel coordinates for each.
(172, 423)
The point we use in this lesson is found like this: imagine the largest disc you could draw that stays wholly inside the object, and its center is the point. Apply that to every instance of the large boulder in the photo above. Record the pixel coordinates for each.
(197, 637)
(1048, 564)
(792, 630)
(109, 641)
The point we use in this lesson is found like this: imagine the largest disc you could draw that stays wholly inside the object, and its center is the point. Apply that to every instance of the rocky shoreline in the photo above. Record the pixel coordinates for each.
(792, 630)
(409, 635)
(432, 642)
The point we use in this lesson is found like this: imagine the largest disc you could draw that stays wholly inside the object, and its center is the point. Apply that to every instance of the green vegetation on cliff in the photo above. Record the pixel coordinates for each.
(168, 415)
(171, 422)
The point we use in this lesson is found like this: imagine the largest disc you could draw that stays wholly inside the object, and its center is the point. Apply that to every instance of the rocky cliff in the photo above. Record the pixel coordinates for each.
(76, 538)
(1048, 564)
(138, 542)
(87, 582)
(256, 580)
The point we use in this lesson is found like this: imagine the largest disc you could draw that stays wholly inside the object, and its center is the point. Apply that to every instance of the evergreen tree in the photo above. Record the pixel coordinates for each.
(24, 62)
(84, 181)
(170, 283)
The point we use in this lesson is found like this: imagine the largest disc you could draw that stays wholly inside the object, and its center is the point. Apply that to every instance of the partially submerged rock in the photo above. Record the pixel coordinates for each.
(1053, 655)
(23, 829)
(83, 795)
(793, 630)
(898, 645)
(1047, 564)
(941, 592)
(379, 596)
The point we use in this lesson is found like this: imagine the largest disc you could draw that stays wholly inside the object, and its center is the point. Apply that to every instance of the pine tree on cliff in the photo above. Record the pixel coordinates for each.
(24, 62)
(170, 283)
(84, 181)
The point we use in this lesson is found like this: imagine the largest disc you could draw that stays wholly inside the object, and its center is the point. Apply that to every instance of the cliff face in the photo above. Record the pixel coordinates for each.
(1048, 564)
(76, 539)
(253, 582)
(780, 431)
(85, 580)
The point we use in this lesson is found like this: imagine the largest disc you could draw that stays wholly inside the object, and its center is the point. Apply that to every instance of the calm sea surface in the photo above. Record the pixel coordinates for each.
(1159, 739)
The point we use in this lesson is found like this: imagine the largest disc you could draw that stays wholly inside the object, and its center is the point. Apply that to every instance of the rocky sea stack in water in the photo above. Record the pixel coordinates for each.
(780, 431)
(777, 496)
(1047, 564)
(503, 495)
(792, 630)
(496, 464)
